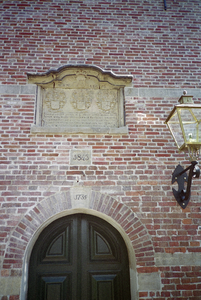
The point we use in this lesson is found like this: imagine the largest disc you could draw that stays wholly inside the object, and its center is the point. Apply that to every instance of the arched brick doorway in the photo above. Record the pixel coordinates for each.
(106, 207)
(79, 257)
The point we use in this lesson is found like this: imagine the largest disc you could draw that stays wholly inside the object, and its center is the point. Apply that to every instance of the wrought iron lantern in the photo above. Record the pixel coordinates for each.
(184, 123)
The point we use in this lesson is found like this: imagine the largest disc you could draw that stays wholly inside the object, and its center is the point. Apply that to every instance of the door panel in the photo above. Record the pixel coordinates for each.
(79, 257)
(105, 286)
(100, 247)
(55, 288)
(58, 249)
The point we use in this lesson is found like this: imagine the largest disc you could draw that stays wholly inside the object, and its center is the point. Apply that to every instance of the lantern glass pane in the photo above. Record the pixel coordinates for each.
(175, 128)
(191, 124)
(197, 114)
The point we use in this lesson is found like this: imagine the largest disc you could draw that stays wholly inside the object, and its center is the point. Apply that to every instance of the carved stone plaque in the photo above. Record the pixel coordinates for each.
(80, 196)
(80, 157)
(81, 99)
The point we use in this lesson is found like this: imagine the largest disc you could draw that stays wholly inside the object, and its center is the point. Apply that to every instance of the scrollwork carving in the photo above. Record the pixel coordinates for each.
(80, 99)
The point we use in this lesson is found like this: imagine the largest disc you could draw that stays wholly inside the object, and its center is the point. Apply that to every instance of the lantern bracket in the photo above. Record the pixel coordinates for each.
(182, 195)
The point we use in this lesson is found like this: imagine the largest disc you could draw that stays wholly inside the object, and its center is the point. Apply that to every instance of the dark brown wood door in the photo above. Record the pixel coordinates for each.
(79, 257)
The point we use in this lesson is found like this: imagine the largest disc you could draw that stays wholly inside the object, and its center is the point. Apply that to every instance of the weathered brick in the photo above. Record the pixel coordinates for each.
(131, 171)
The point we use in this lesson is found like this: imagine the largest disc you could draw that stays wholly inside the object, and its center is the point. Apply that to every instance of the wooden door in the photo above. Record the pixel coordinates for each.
(79, 257)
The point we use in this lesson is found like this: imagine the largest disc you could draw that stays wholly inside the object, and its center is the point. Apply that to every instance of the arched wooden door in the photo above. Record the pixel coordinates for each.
(79, 257)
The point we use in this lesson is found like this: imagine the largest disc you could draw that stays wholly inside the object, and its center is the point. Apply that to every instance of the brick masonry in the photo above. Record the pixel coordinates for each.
(130, 174)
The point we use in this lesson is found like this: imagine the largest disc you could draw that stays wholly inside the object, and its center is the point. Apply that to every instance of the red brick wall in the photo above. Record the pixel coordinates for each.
(161, 49)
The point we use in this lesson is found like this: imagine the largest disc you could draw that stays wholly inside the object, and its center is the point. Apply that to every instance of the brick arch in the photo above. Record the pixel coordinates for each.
(62, 203)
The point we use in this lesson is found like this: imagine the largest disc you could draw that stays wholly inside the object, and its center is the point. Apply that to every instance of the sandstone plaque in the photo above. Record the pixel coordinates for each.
(79, 99)
(80, 157)
(80, 196)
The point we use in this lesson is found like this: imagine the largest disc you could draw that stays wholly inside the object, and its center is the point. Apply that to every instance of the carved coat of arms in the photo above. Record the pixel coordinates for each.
(106, 99)
(55, 99)
(81, 99)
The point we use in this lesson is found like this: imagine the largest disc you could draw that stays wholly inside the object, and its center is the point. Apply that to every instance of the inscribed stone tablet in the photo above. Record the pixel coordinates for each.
(80, 99)
(80, 157)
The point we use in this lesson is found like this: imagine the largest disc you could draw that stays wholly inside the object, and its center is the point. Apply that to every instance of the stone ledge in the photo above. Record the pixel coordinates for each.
(11, 89)
(78, 130)
(160, 92)
(178, 259)
(129, 91)
(149, 281)
(10, 285)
